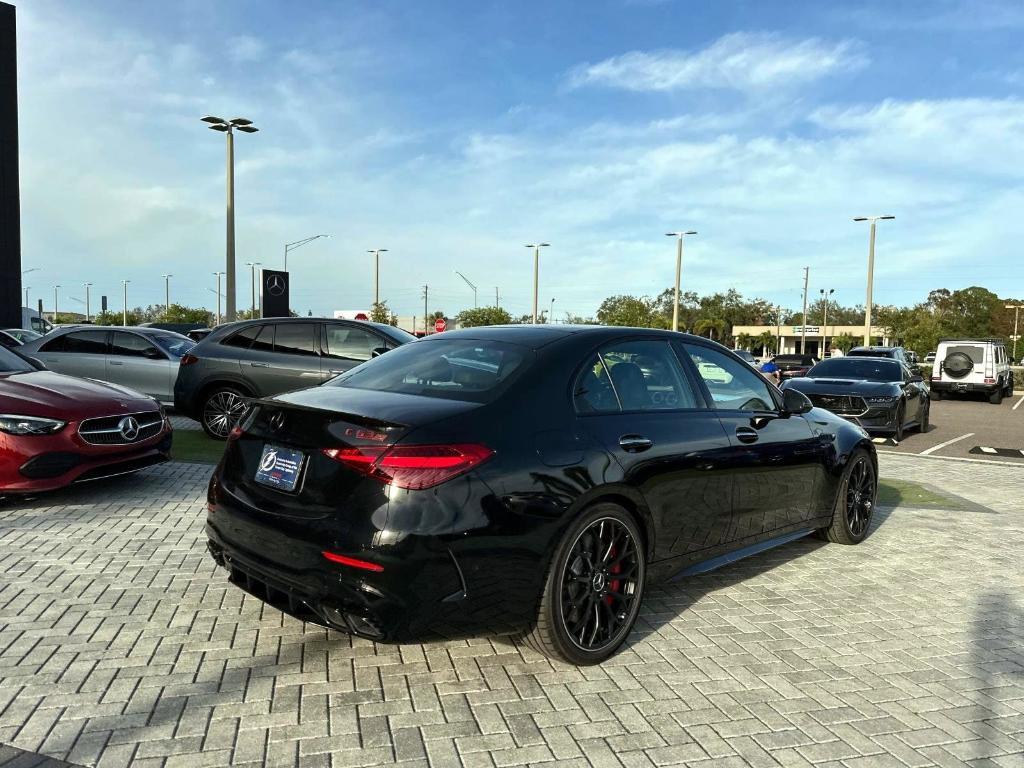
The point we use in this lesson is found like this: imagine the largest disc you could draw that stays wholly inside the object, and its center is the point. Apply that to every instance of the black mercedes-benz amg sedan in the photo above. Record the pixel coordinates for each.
(525, 479)
(881, 395)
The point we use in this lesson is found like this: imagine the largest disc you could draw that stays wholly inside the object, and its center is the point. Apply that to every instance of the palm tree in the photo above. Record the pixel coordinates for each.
(712, 325)
(745, 341)
(767, 341)
(844, 341)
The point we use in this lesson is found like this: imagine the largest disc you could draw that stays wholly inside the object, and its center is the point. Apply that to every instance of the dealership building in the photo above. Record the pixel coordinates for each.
(818, 337)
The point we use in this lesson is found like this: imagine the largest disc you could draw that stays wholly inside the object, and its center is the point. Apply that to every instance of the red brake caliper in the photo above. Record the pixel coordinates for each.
(615, 583)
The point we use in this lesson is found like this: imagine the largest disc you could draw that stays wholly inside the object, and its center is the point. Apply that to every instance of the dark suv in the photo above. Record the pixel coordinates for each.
(892, 353)
(794, 366)
(258, 358)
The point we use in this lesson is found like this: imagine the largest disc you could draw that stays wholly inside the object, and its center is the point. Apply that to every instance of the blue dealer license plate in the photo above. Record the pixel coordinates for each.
(279, 467)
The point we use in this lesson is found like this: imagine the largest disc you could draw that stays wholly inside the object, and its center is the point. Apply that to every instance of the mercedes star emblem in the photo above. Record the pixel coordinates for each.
(129, 428)
(276, 285)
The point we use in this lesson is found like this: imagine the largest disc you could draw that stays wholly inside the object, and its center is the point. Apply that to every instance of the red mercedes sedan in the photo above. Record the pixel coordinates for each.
(56, 430)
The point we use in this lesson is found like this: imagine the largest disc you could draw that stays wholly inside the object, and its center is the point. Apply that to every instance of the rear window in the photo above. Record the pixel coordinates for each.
(974, 351)
(174, 345)
(457, 369)
(798, 359)
(865, 370)
(871, 353)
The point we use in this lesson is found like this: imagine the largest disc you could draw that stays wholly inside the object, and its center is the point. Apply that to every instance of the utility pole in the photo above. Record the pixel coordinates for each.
(55, 304)
(252, 265)
(497, 303)
(426, 320)
(1016, 316)
(803, 325)
(124, 314)
(778, 329)
(536, 273)
(824, 322)
(88, 314)
(167, 294)
(871, 274)
(27, 288)
(218, 274)
(679, 272)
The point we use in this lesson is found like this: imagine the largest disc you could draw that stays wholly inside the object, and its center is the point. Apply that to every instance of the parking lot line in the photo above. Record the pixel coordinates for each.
(934, 448)
(1017, 404)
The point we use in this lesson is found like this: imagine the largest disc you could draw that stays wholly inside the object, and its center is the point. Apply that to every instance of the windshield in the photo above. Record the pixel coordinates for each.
(860, 368)
(456, 369)
(12, 363)
(172, 343)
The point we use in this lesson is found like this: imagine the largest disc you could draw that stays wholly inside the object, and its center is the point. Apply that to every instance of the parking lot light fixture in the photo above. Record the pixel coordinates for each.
(88, 314)
(218, 275)
(252, 266)
(1016, 316)
(472, 287)
(228, 127)
(298, 244)
(376, 272)
(124, 313)
(826, 297)
(536, 273)
(167, 294)
(871, 273)
(55, 289)
(679, 271)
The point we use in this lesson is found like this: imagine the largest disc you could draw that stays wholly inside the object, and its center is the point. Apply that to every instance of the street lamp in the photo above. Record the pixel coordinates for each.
(871, 273)
(218, 274)
(536, 273)
(376, 272)
(824, 324)
(167, 294)
(551, 311)
(1017, 311)
(298, 244)
(27, 288)
(466, 281)
(679, 272)
(228, 127)
(124, 314)
(252, 265)
(88, 317)
(55, 304)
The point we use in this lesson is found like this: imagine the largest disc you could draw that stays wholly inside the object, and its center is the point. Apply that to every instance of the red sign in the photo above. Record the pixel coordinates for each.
(361, 316)
(440, 324)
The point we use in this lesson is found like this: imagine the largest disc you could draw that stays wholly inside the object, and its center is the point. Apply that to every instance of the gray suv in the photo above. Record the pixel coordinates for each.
(259, 358)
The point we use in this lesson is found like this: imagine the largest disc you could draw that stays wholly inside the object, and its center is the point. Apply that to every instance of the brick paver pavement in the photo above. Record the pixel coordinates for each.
(122, 644)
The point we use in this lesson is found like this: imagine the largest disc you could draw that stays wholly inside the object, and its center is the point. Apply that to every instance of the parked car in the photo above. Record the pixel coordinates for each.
(182, 328)
(882, 395)
(22, 334)
(256, 358)
(56, 429)
(198, 334)
(893, 353)
(31, 319)
(791, 366)
(930, 357)
(144, 359)
(744, 355)
(972, 365)
(9, 340)
(525, 479)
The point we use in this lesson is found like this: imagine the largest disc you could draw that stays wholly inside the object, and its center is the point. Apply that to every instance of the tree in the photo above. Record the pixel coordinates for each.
(111, 317)
(379, 313)
(844, 342)
(473, 318)
(745, 341)
(181, 314)
(767, 341)
(632, 311)
(580, 320)
(711, 326)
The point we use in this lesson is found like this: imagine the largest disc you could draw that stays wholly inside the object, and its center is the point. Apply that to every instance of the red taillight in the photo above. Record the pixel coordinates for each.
(989, 380)
(188, 358)
(413, 467)
(353, 562)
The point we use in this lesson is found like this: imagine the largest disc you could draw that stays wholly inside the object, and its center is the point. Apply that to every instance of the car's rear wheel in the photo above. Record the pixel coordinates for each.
(855, 502)
(926, 413)
(222, 407)
(593, 588)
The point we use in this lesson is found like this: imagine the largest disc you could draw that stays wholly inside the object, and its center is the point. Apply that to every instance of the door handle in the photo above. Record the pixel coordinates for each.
(747, 434)
(334, 371)
(260, 365)
(115, 362)
(635, 443)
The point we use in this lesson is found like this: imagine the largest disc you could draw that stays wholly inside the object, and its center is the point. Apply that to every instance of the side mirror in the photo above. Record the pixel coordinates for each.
(795, 401)
(152, 353)
(36, 363)
(378, 351)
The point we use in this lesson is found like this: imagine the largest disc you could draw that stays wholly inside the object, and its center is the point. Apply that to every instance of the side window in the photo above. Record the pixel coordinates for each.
(131, 345)
(243, 338)
(349, 343)
(643, 375)
(295, 339)
(264, 341)
(54, 345)
(86, 342)
(733, 386)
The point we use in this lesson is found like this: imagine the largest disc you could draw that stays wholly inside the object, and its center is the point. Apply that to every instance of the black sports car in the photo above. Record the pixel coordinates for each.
(525, 479)
(881, 395)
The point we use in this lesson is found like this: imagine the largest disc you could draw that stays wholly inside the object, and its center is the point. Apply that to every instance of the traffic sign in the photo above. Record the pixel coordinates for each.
(440, 324)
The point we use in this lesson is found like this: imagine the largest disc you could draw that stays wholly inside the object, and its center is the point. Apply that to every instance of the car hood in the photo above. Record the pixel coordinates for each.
(45, 393)
(860, 387)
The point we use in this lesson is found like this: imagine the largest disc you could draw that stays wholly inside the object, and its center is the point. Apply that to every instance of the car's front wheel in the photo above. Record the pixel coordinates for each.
(901, 414)
(855, 502)
(222, 407)
(593, 588)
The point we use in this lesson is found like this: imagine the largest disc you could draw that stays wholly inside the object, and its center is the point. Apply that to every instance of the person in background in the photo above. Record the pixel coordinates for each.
(771, 371)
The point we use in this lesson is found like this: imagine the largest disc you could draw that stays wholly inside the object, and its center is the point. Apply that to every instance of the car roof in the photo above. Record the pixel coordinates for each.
(536, 336)
(972, 341)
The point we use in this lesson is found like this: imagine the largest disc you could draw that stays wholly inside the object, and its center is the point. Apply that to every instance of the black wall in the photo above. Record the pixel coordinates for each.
(10, 223)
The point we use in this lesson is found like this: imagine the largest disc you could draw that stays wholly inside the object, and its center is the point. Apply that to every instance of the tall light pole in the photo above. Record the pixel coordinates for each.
(824, 323)
(466, 281)
(229, 127)
(551, 310)
(124, 314)
(803, 326)
(218, 274)
(679, 272)
(167, 294)
(536, 273)
(871, 274)
(1017, 311)
(27, 288)
(298, 244)
(376, 272)
(252, 265)
(55, 304)
(88, 314)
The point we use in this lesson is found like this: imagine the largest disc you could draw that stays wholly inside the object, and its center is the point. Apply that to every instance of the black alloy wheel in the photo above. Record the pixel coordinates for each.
(901, 414)
(594, 588)
(855, 502)
(926, 411)
(222, 408)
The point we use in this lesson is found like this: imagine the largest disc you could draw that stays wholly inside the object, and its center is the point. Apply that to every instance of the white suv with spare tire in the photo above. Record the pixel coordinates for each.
(972, 365)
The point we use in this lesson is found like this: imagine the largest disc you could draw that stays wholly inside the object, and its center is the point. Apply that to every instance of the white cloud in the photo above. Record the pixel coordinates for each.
(245, 49)
(742, 61)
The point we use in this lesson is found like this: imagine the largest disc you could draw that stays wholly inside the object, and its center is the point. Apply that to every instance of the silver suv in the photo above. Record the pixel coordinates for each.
(972, 365)
(259, 358)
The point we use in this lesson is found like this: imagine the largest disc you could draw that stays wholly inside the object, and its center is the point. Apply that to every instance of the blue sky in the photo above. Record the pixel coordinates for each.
(452, 133)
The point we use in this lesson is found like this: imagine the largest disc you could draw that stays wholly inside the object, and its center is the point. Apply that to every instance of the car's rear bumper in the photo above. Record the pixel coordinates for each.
(964, 386)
